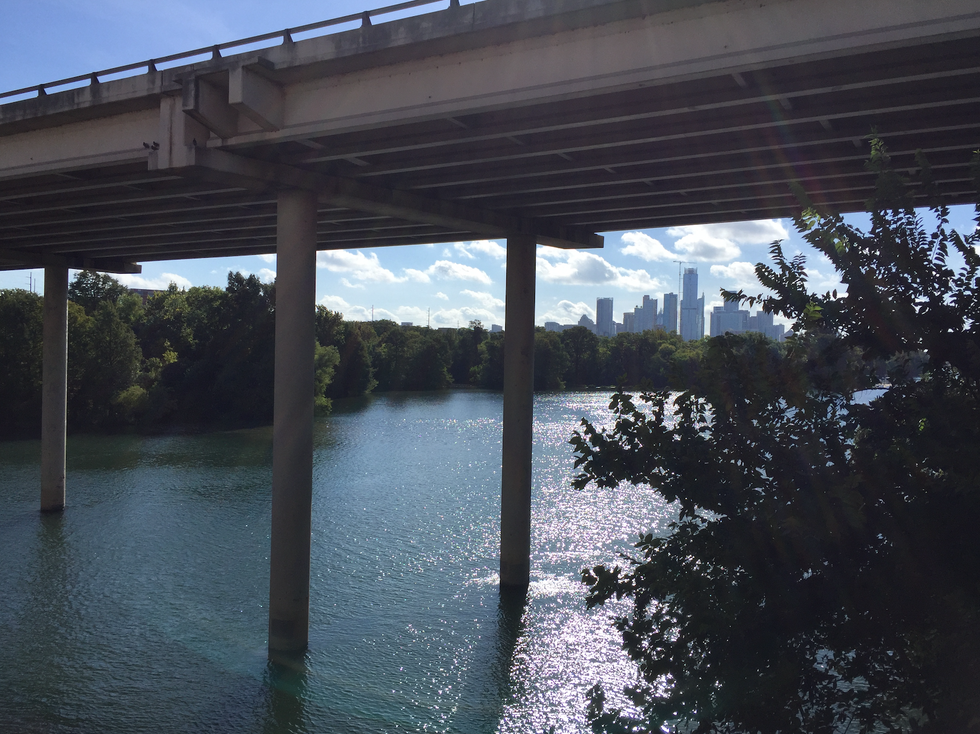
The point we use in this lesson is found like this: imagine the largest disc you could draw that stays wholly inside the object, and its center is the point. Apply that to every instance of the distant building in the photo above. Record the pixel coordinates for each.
(728, 319)
(587, 323)
(553, 326)
(605, 326)
(494, 328)
(629, 322)
(406, 323)
(144, 293)
(669, 316)
(692, 308)
(645, 316)
(762, 322)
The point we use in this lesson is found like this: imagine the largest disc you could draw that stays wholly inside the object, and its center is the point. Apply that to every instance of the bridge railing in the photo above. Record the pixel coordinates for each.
(285, 36)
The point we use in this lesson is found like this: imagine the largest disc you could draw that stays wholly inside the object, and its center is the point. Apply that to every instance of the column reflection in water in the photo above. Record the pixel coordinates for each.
(286, 680)
(51, 622)
(510, 627)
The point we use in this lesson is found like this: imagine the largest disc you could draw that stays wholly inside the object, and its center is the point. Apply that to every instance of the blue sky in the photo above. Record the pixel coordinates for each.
(443, 284)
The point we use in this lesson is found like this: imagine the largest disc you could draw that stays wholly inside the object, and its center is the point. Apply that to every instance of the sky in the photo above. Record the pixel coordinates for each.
(444, 284)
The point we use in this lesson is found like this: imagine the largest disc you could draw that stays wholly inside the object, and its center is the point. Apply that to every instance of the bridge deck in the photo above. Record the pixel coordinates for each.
(573, 117)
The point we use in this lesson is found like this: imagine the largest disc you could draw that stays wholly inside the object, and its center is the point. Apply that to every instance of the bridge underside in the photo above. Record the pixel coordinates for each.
(711, 138)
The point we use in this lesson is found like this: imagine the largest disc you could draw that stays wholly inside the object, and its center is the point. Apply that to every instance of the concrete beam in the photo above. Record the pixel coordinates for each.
(220, 166)
(253, 95)
(208, 105)
(82, 145)
(292, 433)
(54, 389)
(27, 259)
(515, 490)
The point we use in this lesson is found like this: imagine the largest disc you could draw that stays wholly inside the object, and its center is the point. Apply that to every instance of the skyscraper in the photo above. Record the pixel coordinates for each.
(645, 316)
(692, 307)
(670, 312)
(604, 324)
(729, 319)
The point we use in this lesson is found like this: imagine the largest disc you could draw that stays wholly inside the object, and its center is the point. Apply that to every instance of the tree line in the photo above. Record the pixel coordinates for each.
(205, 356)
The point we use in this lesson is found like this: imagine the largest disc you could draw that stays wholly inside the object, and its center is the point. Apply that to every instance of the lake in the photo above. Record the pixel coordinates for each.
(143, 606)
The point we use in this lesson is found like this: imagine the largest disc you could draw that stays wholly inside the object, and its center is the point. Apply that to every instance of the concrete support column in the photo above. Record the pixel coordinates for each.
(54, 389)
(292, 438)
(515, 495)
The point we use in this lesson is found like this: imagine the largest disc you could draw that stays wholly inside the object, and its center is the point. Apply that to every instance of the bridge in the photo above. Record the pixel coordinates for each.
(535, 121)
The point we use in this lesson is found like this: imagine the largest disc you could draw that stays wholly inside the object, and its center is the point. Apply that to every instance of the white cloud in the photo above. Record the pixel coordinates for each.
(448, 317)
(567, 312)
(824, 282)
(417, 276)
(700, 245)
(572, 267)
(487, 300)
(647, 248)
(334, 303)
(159, 283)
(714, 242)
(446, 270)
(361, 266)
(266, 275)
(267, 258)
(741, 273)
(552, 253)
(483, 247)
(363, 313)
(346, 283)
(442, 296)
(453, 317)
(759, 232)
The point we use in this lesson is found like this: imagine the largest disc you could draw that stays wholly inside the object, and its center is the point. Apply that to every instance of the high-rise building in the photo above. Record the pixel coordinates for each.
(764, 324)
(604, 324)
(645, 316)
(670, 312)
(729, 319)
(692, 307)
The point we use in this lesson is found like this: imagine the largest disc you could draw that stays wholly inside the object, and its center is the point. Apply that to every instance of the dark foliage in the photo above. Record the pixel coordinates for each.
(89, 289)
(21, 326)
(822, 575)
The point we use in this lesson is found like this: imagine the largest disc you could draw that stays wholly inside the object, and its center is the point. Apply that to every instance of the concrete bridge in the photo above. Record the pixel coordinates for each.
(537, 121)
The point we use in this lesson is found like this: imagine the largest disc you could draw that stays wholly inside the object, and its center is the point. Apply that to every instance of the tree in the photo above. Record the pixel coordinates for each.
(103, 363)
(821, 575)
(21, 327)
(550, 360)
(466, 353)
(582, 348)
(355, 375)
(88, 289)
(489, 373)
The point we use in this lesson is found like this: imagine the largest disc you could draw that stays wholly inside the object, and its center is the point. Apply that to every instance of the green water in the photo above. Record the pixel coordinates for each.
(142, 607)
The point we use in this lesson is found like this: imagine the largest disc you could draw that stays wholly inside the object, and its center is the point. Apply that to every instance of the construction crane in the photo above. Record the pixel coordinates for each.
(680, 264)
